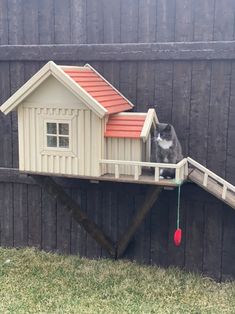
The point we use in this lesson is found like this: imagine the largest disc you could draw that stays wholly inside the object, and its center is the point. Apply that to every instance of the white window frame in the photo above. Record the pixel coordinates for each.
(57, 135)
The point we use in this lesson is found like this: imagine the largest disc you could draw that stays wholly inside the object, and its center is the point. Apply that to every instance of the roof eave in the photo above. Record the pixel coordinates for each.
(51, 69)
(151, 119)
(26, 89)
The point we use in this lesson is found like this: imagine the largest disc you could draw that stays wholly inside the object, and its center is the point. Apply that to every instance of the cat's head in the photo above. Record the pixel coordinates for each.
(162, 132)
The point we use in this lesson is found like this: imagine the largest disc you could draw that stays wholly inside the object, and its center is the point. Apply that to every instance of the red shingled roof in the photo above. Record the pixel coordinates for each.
(129, 125)
(99, 89)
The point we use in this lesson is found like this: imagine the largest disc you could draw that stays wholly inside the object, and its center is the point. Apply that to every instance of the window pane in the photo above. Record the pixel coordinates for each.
(63, 128)
(51, 141)
(63, 142)
(51, 128)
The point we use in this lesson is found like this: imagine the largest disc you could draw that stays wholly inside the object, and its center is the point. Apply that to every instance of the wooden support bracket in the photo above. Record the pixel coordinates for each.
(115, 251)
(58, 193)
(138, 218)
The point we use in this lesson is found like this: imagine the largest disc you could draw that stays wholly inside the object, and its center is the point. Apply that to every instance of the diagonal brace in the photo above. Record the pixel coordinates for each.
(58, 193)
(151, 196)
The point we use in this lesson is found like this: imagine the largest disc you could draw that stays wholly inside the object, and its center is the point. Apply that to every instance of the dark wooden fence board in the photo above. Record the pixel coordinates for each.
(7, 214)
(159, 230)
(204, 20)
(157, 60)
(49, 223)
(34, 203)
(165, 30)
(46, 21)
(3, 22)
(198, 120)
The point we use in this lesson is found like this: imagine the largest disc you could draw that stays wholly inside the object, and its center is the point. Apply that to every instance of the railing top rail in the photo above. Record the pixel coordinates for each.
(144, 164)
(211, 174)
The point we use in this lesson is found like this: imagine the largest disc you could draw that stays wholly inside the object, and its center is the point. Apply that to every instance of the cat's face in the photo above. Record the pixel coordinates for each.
(163, 132)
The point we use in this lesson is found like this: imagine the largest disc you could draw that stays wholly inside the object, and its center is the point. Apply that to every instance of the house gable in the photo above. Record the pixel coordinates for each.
(52, 93)
(33, 83)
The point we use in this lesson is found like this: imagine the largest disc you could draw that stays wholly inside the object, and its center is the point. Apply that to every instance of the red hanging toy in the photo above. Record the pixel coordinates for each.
(178, 231)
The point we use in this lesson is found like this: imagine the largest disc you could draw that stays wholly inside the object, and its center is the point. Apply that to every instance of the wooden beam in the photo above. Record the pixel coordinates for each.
(151, 197)
(58, 193)
(213, 50)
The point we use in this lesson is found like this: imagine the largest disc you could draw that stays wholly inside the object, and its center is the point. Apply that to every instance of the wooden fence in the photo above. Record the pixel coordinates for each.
(176, 56)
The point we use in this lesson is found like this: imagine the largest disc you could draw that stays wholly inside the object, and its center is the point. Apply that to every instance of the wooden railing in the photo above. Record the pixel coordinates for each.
(209, 174)
(181, 168)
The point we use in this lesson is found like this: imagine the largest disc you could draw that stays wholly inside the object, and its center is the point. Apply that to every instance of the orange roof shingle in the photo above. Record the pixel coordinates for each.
(125, 126)
(99, 89)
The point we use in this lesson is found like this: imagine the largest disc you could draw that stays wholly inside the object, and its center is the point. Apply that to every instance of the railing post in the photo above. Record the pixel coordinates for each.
(205, 179)
(224, 192)
(156, 174)
(186, 169)
(136, 173)
(116, 171)
(177, 174)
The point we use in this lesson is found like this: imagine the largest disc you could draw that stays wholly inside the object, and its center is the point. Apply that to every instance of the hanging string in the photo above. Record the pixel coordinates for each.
(178, 208)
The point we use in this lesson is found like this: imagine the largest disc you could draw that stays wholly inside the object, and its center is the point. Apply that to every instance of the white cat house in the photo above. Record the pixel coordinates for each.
(73, 122)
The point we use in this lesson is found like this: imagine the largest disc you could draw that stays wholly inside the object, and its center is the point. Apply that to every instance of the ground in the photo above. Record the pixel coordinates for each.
(37, 282)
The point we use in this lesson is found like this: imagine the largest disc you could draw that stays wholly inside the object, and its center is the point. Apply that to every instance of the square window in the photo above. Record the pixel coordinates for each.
(63, 129)
(51, 141)
(51, 128)
(63, 142)
(57, 135)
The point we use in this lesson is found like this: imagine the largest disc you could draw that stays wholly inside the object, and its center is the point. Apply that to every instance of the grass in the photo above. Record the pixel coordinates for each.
(37, 282)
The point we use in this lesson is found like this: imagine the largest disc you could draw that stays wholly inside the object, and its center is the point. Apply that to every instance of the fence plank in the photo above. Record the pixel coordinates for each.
(147, 21)
(78, 21)
(34, 216)
(95, 31)
(159, 230)
(30, 18)
(199, 113)
(3, 22)
(165, 20)
(62, 22)
(46, 21)
(6, 214)
(112, 20)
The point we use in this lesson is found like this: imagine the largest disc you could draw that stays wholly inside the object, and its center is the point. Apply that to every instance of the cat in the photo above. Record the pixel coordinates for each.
(165, 148)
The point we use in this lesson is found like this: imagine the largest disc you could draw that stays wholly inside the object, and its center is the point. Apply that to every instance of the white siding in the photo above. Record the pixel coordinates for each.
(123, 149)
(86, 142)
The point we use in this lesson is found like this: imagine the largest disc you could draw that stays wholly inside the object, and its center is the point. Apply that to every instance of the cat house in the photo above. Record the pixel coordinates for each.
(73, 122)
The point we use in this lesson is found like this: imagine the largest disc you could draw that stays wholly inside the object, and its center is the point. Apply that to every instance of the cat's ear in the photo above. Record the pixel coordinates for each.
(168, 128)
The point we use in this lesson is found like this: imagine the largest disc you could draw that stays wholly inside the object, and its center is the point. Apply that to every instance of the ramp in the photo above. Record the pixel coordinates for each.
(211, 182)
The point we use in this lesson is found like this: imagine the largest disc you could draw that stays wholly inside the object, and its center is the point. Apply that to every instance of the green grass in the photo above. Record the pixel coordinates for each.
(39, 282)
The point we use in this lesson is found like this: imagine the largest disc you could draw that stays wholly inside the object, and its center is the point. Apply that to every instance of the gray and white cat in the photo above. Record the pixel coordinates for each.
(166, 148)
